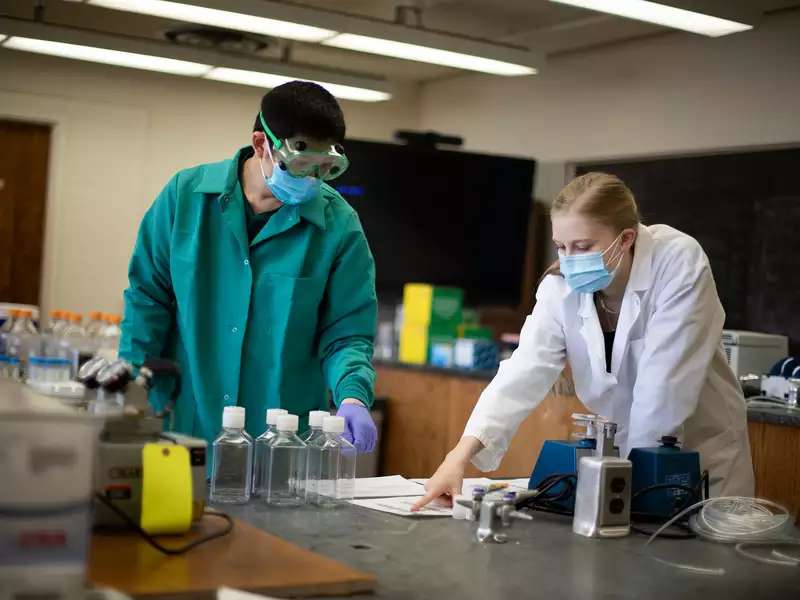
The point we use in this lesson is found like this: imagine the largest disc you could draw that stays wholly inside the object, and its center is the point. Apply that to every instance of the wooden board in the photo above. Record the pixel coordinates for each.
(247, 558)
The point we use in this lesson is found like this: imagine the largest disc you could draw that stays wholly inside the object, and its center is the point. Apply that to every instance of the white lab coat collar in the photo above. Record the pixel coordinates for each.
(640, 277)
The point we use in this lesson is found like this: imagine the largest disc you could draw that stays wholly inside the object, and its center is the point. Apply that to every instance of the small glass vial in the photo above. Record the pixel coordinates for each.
(287, 469)
(261, 463)
(231, 474)
(332, 466)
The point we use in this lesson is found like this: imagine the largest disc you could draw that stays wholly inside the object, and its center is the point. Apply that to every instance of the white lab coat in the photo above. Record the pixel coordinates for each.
(668, 374)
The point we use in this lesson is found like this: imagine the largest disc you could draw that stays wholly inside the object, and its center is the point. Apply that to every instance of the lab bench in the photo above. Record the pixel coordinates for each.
(428, 408)
(440, 558)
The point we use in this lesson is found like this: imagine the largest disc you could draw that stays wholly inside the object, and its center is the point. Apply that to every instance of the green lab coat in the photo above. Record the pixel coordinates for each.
(264, 324)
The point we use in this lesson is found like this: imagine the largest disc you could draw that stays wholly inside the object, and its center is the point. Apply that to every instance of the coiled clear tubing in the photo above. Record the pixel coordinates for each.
(746, 522)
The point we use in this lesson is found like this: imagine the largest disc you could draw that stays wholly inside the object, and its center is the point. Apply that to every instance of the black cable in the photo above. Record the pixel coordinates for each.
(550, 482)
(664, 486)
(154, 543)
(659, 520)
(548, 503)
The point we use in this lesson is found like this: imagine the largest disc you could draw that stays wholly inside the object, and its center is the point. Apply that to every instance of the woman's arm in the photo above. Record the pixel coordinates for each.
(523, 380)
(519, 386)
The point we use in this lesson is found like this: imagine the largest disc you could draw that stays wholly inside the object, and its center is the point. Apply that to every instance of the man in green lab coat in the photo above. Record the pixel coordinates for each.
(255, 275)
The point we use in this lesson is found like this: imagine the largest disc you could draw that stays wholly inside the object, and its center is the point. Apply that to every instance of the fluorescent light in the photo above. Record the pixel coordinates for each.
(109, 57)
(269, 80)
(219, 18)
(341, 30)
(661, 14)
(2, 37)
(372, 45)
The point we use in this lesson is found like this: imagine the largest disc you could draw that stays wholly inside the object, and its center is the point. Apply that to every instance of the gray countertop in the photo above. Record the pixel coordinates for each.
(774, 416)
(439, 558)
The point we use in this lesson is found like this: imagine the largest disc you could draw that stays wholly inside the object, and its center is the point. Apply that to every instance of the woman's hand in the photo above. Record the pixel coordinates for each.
(446, 483)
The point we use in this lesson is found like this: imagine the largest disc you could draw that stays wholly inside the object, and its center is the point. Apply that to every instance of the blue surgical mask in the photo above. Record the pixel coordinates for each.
(587, 273)
(290, 190)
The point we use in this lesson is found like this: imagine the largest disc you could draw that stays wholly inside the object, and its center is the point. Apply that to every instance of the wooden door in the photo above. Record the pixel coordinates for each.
(24, 152)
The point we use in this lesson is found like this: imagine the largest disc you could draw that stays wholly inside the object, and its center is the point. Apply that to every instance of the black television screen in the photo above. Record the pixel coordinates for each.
(443, 217)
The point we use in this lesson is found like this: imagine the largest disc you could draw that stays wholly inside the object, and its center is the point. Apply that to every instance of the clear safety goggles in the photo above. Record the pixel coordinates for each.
(292, 156)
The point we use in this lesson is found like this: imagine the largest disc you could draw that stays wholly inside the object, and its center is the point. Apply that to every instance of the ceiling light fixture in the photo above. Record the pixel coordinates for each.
(436, 56)
(662, 13)
(152, 55)
(219, 18)
(108, 57)
(336, 29)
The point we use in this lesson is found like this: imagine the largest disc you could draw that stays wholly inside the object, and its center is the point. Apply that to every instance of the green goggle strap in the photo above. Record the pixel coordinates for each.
(276, 143)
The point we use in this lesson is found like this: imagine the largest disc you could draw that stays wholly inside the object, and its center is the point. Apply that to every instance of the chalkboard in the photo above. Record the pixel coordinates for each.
(744, 209)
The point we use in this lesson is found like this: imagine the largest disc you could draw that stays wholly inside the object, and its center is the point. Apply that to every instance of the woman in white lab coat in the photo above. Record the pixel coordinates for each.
(634, 311)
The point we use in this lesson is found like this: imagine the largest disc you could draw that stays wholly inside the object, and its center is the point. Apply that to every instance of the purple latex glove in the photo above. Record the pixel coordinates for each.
(359, 428)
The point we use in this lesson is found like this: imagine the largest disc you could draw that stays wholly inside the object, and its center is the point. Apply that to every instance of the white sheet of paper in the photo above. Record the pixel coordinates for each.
(386, 487)
(226, 593)
(402, 507)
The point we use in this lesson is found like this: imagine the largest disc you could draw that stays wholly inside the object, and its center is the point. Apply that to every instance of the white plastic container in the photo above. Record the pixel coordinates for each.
(47, 455)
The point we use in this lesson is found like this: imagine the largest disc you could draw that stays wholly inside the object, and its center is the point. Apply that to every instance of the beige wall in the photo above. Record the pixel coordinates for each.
(118, 135)
(670, 94)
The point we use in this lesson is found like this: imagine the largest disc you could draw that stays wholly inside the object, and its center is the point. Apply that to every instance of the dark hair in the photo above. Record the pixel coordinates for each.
(302, 107)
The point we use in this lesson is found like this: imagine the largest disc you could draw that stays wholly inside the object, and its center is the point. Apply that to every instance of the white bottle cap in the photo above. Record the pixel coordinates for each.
(274, 413)
(315, 418)
(233, 417)
(287, 422)
(333, 425)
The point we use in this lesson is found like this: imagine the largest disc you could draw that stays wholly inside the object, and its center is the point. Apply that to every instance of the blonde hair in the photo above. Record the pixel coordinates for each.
(599, 196)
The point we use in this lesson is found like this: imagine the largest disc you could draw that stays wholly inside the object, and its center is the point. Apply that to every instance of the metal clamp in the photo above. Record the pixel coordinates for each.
(495, 512)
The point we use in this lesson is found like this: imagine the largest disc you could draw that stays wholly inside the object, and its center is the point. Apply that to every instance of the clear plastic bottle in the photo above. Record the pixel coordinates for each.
(22, 342)
(315, 418)
(5, 332)
(6, 328)
(60, 323)
(75, 344)
(48, 337)
(331, 466)
(96, 324)
(314, 432)
(261, 463)
(107, 340)
(232, 469)
(287, 470)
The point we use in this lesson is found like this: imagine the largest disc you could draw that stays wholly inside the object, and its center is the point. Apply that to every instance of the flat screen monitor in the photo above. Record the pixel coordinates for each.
(443, 217)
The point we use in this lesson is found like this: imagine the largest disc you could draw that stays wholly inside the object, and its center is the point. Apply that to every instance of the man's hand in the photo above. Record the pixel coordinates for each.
(359, 429)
